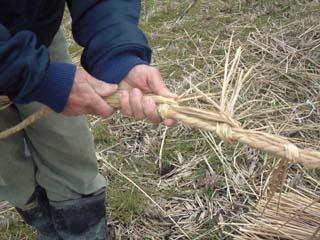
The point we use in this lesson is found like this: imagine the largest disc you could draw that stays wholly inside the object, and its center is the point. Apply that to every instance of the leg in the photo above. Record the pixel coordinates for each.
(62, 147)
(37, 214)
(17, 172)
(64, 154)
(63, 151)
(81, 219)
(17, 179)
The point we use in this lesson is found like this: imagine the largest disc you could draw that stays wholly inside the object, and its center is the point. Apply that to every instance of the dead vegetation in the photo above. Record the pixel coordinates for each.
(180, 183)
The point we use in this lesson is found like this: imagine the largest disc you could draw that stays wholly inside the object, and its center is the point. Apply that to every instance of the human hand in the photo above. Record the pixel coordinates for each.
(86, 96)
(143, 79)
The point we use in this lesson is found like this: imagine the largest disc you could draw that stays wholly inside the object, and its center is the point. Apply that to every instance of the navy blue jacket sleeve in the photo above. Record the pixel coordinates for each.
(108, 29)
(26, 73)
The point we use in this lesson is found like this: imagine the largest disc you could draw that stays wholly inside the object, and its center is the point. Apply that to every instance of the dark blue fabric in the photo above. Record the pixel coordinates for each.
(27, 74)
(57, 85)
(114, 70)
(105, 28)
(42, 17)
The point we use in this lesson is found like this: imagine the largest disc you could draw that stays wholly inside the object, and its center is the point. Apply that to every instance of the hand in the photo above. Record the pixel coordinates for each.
(86, 96)
(140, 80)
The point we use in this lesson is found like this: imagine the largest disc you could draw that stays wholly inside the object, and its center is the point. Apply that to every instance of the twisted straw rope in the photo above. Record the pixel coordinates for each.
(221, 123)
(263, 141)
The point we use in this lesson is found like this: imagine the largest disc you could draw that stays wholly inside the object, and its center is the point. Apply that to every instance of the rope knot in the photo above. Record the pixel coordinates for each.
(224, 131)
(292, 152)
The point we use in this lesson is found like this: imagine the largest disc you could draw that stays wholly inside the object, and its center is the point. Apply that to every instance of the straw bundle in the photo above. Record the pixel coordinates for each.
(219, 120)
(293, 217)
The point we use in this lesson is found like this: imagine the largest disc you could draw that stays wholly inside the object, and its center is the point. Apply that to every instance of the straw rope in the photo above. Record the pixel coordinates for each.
(221, 123)
(220, 120)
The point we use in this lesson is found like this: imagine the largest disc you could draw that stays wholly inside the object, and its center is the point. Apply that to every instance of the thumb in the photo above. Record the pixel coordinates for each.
(162, 90)
(104, 89)
(158, 86)
(166, 93)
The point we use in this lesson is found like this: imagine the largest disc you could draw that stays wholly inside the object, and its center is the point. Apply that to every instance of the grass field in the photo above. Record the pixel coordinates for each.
(190, 183)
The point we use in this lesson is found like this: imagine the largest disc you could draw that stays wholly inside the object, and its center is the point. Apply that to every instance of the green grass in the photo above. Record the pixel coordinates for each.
(18, 231)
(127, 203)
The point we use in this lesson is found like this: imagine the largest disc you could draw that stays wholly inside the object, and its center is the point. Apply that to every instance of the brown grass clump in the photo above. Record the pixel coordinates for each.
(295, 217)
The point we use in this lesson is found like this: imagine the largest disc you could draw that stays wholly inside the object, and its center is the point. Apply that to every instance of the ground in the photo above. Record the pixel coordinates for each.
(175, 183)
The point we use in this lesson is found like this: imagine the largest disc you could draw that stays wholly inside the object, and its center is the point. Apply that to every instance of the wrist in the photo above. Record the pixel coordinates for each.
(116, 68)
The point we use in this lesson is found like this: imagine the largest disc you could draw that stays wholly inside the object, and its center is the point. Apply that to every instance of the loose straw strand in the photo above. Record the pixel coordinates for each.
(25, 123)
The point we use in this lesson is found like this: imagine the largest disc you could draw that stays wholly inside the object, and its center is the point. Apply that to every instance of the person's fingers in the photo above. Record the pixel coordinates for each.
(137, 78)
(98, 106)
(84, 97)
(157, 84)
(102, 88)
(136, 103)
(150, 109)
(125, 103)
(124, 85)
(169, 122)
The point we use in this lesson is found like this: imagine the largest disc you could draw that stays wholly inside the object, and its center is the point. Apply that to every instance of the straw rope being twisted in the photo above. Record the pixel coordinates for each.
(220, 120)
(223, 125)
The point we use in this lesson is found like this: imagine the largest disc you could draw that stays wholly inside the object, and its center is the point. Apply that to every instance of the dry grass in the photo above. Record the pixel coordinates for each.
(212, 182)
(289, 216)
(184, 183)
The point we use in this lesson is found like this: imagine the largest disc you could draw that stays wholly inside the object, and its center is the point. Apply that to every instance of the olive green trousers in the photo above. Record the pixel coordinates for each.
(56, 153)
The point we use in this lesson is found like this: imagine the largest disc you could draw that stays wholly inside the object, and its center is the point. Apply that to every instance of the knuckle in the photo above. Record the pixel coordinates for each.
(136, 92)
(127, 110)
(139, 115)
(99, 84)
(108, 112)
(155, 70)
(87, 102)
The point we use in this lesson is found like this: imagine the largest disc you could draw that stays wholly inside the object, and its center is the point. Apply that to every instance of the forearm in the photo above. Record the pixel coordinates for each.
(27, 74)
(108, 29)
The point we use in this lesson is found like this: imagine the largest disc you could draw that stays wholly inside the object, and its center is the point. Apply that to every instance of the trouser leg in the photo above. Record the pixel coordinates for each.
(17, 172)
(62, 147)
(64, 153)
(63, 159)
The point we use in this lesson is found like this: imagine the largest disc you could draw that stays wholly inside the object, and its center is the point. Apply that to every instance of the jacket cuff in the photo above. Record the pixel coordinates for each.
(115, 69)
(5, 35)
(55, 90)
